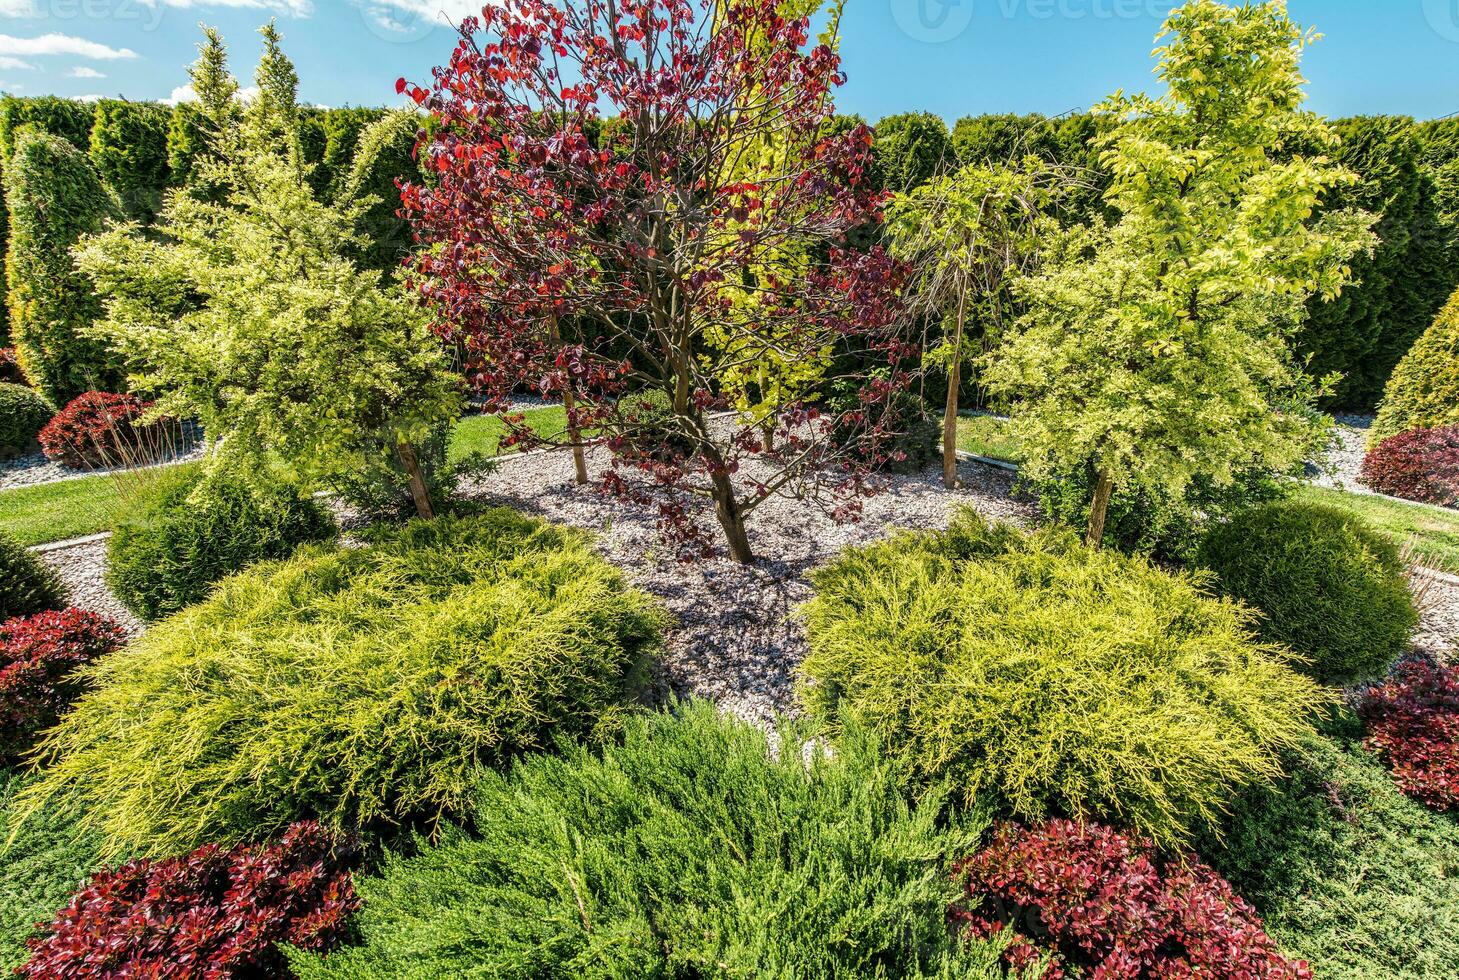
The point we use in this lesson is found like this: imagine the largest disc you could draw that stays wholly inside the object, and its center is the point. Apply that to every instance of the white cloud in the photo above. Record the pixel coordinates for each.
(7, 63)
(18, 8)
(185, 93)
(89, 98)
(61, 44)
(415, 17)
(86, 72)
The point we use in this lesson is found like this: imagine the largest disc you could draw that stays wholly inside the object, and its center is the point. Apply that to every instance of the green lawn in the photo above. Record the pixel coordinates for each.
(92, 504)
(984, 435)
(1434, 531)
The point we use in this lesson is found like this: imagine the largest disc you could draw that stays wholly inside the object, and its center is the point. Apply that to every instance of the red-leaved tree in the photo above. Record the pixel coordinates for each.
(589, 231)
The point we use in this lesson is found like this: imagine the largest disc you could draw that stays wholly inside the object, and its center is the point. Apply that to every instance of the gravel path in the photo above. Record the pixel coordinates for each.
(736, 641)
(35, 469)
(1438, 633)
(1346, 460)
(82, 569)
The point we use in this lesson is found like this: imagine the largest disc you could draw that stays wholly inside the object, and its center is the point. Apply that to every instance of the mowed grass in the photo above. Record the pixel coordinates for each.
(986, 435)
(1431, 532)
(93, 504)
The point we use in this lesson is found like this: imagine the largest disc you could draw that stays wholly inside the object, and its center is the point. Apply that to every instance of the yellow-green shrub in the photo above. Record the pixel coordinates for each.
(1057, 680)
(363, 686)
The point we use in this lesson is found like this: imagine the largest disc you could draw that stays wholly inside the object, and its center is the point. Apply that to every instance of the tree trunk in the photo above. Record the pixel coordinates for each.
(954, 381)
(767, 435)
(574, 435)
(418, 491)
(1099, 509)
(727, 509)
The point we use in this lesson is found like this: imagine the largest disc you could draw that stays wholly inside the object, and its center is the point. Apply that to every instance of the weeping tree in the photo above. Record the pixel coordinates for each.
(1156, 349)
(247, 314)
(529, 225)
(965, 237)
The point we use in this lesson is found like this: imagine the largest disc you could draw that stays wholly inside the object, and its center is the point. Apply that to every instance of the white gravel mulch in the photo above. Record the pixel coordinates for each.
(1346, 459)
(82, 569)
(35, 469)
(1438, 632)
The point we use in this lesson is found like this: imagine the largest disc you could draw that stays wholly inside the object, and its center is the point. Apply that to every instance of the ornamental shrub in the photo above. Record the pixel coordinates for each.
(23, 413)
(1424, 390)
(1420, 465)
(39, 656)
(199, 530)
(1413, 724)
(1346, 872)
(910, 149)
(690, 849)
(43, 861)
(213, 913)
(55, 198)
(1330, 587)
(1089, 902)
(27, 587)
(99, 429)
(1049, 679)
(362, 686)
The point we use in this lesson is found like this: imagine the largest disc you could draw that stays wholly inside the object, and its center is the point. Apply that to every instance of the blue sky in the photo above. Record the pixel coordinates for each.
(952, 57)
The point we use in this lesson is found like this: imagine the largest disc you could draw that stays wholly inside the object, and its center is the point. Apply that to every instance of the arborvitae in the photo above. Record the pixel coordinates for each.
(909, 149)
(1424, 390)
(129, 150)
(55, 197)
(385, 154)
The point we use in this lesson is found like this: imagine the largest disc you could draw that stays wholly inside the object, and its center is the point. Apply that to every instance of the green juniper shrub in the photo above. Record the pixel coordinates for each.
(23, 413)
(43, 860)
(201, 529)
(27, 587)
(1052, 679)
(360, 686)
(1347, 872)
(1330, 587)
(690, 849)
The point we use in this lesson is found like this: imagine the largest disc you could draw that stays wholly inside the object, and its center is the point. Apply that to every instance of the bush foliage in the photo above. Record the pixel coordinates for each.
(1330, 587)
(200, 530)
(213, 913)
(362, 686)
(1424, 390)
(98, 430)
(1346, 872)
(27, 587)
(1054, 679)
(23, 413)
(39, 656)
(1413, 724)
(692, 849)
(1094, 903)
(1421, 465)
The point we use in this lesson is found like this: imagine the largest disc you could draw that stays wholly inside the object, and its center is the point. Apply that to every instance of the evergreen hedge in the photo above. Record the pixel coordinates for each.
(129, 150)
(360, 686)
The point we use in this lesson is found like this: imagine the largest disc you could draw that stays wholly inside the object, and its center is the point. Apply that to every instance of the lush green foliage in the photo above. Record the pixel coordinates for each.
(201, 529)
(1155, 348)
(23, 413)
(55, 197)
(27, 587)
(359, 685)
(1069, 142)
(383, 153)
(1329, 587)
(1346, 872)
(1054, 679)
(692, 849)
(129, 151)
(1424, 390)
(43, 859)
(910, 149)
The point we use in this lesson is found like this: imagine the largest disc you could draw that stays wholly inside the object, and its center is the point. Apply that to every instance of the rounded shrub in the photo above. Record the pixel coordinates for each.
(1421, 465)
(27, 587)
(1424, 390)
(1329, 587)
(23, 413)
(1051, 680)
(99, 429)
(199, 530)
(690, 849)
(361, 686)
(39, 657)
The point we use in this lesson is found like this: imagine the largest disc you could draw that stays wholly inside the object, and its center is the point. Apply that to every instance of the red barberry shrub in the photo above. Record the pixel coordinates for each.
(98, 429)
(38, 659)
(1422, 465)
(1413, 726)
(211, 915)
(10, 372)
(1103, 907)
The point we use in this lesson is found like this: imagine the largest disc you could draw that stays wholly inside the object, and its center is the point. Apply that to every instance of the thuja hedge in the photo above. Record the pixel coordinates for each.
(361, 686)
(1051, 680)
(692, 848)
(1346, 872)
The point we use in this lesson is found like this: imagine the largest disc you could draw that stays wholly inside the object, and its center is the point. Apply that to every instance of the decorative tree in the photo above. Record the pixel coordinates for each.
(1424, 390)
(246, 315)
(55, 197)
(192, 140)
(965, 237)
(1156, 350)
(590, 270)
